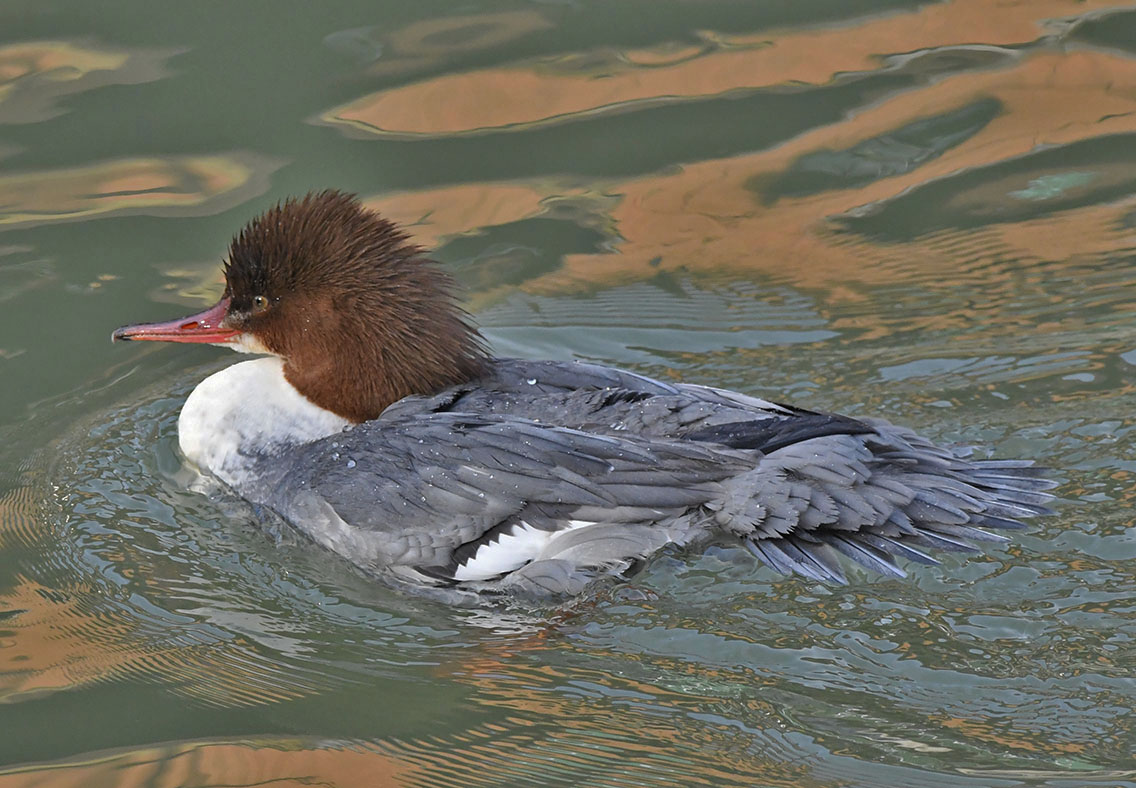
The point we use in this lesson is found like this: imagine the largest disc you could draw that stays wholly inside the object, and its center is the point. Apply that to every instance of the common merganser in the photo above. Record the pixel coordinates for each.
(380, 427)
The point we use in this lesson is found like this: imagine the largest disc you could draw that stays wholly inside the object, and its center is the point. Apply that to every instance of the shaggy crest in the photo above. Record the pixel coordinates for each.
(360, 315)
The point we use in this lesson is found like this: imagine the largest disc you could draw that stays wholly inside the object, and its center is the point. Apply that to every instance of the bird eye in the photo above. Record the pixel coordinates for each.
(259, 303)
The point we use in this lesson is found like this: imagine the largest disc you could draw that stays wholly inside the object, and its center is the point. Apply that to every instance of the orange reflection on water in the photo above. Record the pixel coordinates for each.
(34, 74)
(276, 762)
(710, 216)
(47, 655)
(171, 185)
(70, 635)
(706, 216)
(551, 91)
(434, 215)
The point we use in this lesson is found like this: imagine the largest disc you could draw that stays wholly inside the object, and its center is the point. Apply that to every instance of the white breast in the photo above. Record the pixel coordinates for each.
(245, 410)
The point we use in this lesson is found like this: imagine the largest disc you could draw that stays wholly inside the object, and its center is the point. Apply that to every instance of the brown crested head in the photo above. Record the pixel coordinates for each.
(361, 317)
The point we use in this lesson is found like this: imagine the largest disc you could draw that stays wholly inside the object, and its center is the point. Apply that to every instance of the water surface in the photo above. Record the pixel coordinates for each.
(921, 211)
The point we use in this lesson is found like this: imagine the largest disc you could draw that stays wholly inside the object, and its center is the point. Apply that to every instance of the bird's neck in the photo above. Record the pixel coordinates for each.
(245, 414)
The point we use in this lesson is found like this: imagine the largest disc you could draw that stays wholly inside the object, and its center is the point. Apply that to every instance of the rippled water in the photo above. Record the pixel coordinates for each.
(922, 211)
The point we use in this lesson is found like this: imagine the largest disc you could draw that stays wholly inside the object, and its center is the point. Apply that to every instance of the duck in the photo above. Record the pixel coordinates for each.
(377, 423)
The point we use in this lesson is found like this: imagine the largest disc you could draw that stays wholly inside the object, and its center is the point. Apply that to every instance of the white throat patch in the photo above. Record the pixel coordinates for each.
(246, 410)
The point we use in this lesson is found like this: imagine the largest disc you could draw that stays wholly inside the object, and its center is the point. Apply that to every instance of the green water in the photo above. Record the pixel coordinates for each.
(921, 211)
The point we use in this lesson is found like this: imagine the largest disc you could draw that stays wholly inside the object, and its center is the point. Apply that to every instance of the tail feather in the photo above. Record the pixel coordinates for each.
(907, 495)
(965, 532)
(819, 556)
(867, 556)
(898, 548)
(790, 556)
(771, 554)
(937, 541)
(1001, 523)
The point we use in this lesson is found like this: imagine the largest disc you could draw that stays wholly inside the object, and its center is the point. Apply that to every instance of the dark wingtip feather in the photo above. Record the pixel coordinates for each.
(813, 555)
(866, 555)
(898, 548)
(771, 555)
(787, 559)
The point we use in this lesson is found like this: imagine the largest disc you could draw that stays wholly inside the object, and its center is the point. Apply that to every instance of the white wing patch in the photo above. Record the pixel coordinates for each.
(511, 551)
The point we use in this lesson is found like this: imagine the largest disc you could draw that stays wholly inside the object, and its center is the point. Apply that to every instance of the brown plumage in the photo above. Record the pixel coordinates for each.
(387, 323)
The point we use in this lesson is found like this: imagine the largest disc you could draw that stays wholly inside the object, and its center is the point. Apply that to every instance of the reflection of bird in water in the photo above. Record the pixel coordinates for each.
(380, 427)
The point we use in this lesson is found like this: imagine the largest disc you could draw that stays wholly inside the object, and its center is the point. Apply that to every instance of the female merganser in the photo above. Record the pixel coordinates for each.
(380, 427)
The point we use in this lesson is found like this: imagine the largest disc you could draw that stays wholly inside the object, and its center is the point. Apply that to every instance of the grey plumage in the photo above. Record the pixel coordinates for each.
(533, 450)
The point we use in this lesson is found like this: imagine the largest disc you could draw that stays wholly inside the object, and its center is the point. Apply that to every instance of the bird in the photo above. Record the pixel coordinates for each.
(378, 423)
